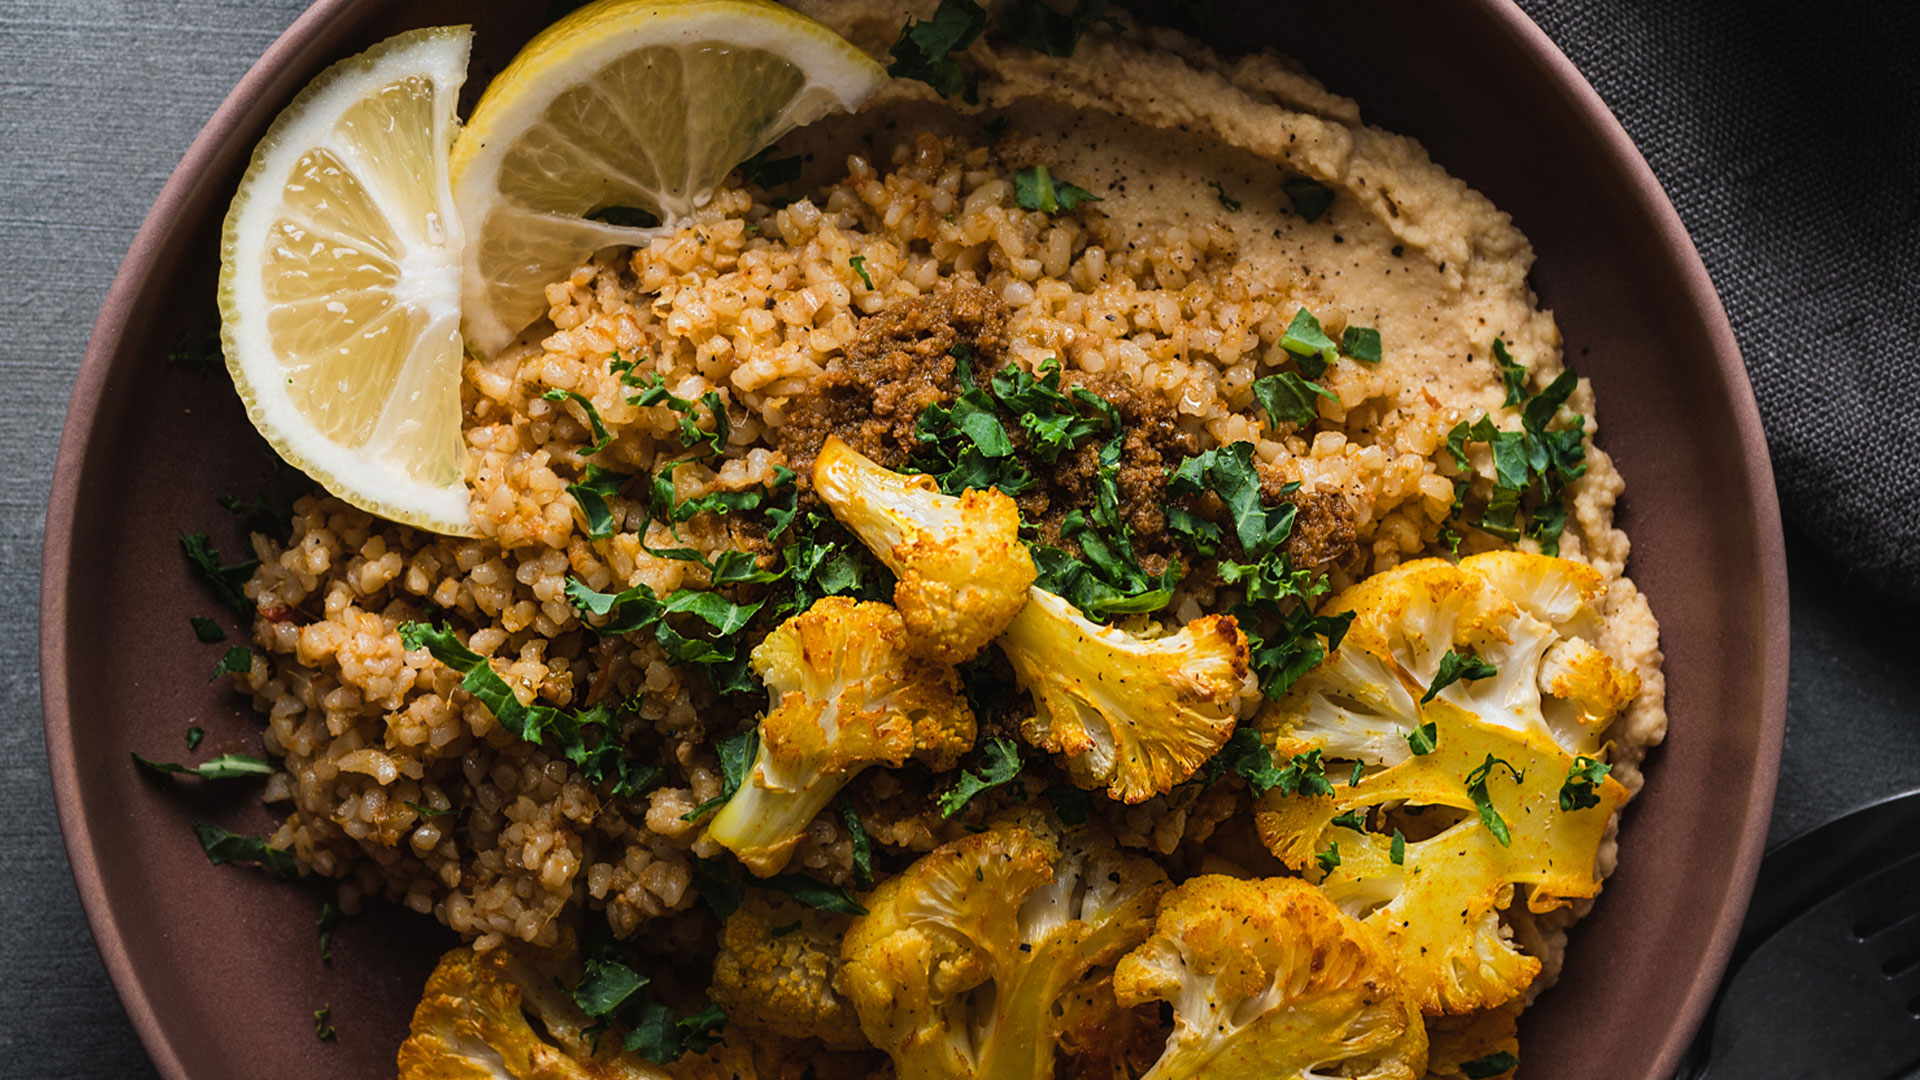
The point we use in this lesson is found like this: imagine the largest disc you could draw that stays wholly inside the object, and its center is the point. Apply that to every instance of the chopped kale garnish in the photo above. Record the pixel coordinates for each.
(1532, 466)
(858, 840)
(1288, 399)
(1583, 777)
(1305, 774)
(813, 893)
(1397, 851)
(1512, 374)
(1220, 193)
(323, 1023)
(1492, 1065)
(1308, 344)
(600, 435)
(859, 264)
(1477, 790)
(328, 922)
(194, 735)
(655, 1035)
(591, 493)
(736, 758)
(1362, 343)
(237, 661)
(206, 629)
(1423, 739)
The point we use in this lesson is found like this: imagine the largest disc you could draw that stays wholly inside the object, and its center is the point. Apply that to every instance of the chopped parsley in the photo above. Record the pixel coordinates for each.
(964, 445)
(328, 922)
(427, 811)
(1220, 193)
(591, 493)
(859, 841)
(1583, 776)
(1477, 790)
(1304, 775)
(714, 881)
(1492, 1065)
(736, 757)
(1308, 344)
(1362, 343)
(237, 661)
(1328, 860)
(529, 722)
(1397, 850)
(194, 735)
(654, 392)
(1288, 399)
(1036, 189)
(1512, 374)
(323, 1023)
(1039, 27)
(824, 560)
(600, 435)
(1423, 739)
(1310, 198)
(1352, 819)
(1000, 763)
(925, 49)
(813, 893)
(224, 767)
(223, 847)
(655, 1035)
(1455, 666)
(639, 608)
(206, 630)
(1532, 466)
(1246, 754)
(859, 264)
(224, 579)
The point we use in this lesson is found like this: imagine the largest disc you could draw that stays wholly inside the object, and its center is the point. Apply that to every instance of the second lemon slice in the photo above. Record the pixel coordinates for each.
(643, 104)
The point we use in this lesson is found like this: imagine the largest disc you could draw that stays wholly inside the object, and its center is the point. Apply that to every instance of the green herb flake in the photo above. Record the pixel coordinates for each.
(223, 847)
(237, 661)
(1220, 193)
(1352, 819)
(1309, 345)
(224, 767)
(529, 722)
(925, 48)
(1423, 739)
(1246, 755)
(1310, 198)
(328, 922)
(1477, 790)
(1362, 343)
(591, 493)
(859, 264)
(428, 811)
(1495, 1064)
(736, 757)
(1328, 860)
(1583, 777)
(194, 735)
(1511, 373)
(1455, 666)
(1397, 850)
(225, 580)
(858, 839)
(206, 630)
(713, 879)
(1305, 774)
(813, 893)
(1288, 399)
(1035, 189)
(1000, 763)
(606, 985)
(601, 437)
(655, 1035)
(1359, 773)
(323, 1023)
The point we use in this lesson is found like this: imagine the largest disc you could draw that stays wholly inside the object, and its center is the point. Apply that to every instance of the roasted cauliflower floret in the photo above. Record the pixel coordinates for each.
(472, 1023)
(775, 972)
(1269, 981)
(1134, 715)
(1530, 617)
(845, 693)
(963, 963)
(962, 571)
(1437, 906)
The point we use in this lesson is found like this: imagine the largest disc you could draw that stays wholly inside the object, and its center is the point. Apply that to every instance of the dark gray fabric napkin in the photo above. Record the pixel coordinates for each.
(1788, 136)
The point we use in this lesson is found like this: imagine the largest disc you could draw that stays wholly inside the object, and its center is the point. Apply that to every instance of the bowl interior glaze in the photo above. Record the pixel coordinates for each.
(220, 968)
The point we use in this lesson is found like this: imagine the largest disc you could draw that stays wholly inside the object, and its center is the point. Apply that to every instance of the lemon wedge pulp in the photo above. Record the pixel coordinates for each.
(340, 282)
(643, 104)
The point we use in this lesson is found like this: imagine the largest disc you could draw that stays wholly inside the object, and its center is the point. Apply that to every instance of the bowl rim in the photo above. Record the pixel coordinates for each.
(140, 266)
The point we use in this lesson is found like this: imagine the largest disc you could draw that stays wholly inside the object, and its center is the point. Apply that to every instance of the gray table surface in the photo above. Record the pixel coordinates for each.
(98, 99)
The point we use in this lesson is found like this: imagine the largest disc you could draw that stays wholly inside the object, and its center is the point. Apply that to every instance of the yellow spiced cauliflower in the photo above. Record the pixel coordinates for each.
(1504, 768)
(775, 971)
(1134, 715)
(1269, 981)
(845, 693)
(962, 572)
(968, 963)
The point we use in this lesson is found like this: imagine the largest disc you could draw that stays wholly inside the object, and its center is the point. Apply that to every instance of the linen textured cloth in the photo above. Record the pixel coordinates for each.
(1788, 137)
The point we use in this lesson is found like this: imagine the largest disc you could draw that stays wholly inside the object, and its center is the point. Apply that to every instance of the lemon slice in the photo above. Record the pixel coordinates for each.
(340, 282)
(641, 104)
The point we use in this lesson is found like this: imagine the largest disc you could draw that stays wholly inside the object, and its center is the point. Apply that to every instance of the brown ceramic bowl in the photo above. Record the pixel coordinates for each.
(219, 967)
